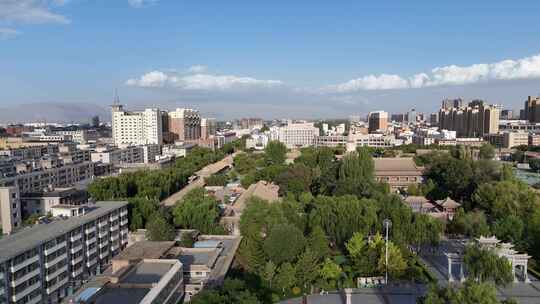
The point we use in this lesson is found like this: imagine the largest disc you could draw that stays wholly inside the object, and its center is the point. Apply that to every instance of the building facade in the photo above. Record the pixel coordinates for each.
(377, 121)
(297, 135)
(136, 128)
(10, 209)
(184, 124)
(41, 264)
(474, 120)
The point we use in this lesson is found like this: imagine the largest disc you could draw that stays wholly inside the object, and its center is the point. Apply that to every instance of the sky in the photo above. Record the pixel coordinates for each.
(64, 59)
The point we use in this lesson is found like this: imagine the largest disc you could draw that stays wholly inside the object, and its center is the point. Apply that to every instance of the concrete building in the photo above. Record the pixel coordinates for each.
(474, 120)
(297, 135)
(534, 139)
(508, 139)
(10, 209)
(184, 124)
(37, 179)
(399, 173)
(352, 141)
(531, 109)
(79, 136)
(136, 128)
(42, 202)
(377, 121)
(208, 128)
(42, 263)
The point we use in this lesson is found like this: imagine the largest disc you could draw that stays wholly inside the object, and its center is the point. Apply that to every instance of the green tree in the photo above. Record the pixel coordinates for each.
(487, 151)
(534, 163)
(275, 152)
(159, 229)
(356, 174)
(330, 272)
(269, 272)
(286, 277)
(470, 293)
(284, 243)
(470, 224)
(318, 243)
(509, 229)
(307, 269)
(197, 211)
(484, 265)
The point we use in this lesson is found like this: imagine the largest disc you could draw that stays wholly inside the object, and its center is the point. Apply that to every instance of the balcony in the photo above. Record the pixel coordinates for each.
(77, 260)
(25, 263)
(77, 272)
(59, 284)
(36, 299)
(2, 292)
(102, 224)
(54, 248)
(76, 248)
(56, 260)
(58, 271)
(75, 237)
(91, 240)
(26, 277)
(103, 233)
(90, 229)
(114, 237)
(92, 262)
(16, 297)
(114, 228)
(115, 247)
(113, 218)
(123, 222)
(89, 252)
(124, 231)
(104, 255)
(123, 212)
(103, 244)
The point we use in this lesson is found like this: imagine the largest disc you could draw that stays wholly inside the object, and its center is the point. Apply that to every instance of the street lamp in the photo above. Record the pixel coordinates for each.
(387, 223)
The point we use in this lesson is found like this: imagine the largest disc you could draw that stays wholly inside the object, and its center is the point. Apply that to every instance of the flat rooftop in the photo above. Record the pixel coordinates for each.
(146, 273)
(121, 295)
(145, 250)
(31, 237)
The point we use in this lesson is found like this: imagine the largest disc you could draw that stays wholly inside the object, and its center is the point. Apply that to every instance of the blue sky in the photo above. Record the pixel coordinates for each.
(267, 58)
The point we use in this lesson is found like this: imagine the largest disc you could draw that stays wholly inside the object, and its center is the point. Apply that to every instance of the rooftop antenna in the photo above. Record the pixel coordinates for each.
(116, 98)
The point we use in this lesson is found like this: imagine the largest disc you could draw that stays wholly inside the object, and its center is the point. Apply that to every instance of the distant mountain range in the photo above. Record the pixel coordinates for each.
(52, 112)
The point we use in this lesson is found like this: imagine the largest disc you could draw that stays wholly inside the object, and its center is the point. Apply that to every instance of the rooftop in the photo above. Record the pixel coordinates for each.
(31, 237)
(146, 273)
(145, 250)
(396, 164)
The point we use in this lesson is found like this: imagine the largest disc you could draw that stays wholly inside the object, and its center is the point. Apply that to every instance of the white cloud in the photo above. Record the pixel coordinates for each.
(31, 11)
(525, 68)
(141, 3)
(8, 33)
(197, 69)
(199, 81)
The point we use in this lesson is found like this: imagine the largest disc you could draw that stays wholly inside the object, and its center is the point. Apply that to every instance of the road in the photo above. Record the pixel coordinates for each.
(199, 182)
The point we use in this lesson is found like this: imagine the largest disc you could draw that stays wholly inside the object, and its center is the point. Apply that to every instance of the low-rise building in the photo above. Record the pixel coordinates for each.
(42, 202)
(42, 263)
(508, 139)
(399, 173)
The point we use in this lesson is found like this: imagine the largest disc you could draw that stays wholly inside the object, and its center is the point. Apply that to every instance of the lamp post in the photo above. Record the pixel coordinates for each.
(387, 223)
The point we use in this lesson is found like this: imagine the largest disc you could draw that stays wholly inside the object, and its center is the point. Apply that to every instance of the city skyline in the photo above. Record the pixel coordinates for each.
(268, 60)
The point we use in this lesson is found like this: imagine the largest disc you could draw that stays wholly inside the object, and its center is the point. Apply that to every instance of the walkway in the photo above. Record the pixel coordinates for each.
(199, 182)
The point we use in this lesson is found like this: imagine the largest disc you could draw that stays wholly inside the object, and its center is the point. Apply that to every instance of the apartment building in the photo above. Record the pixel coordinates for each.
(208, 128)
(35, 180)
(10, 209)
(377, 121)
(136, 128)
(531, 109)
(79, 136)
(30, 152)
(297, 135)
(43, 202)
(477, 119)
(42, 263)
(184, 124)
(508, 139)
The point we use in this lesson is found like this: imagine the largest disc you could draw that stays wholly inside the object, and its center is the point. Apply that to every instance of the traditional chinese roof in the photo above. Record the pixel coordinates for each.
(448, 203)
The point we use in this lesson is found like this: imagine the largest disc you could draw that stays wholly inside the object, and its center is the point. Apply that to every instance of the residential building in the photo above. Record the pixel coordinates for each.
(35, 179)
(136, 128)
(126, 154)
(42, 202)
(507, 115)
(79, 136)
(531, 109)
(398, 117)
(178, 150)
(297, 135)
(208, 128)
(184, 124)
(377, 121)
(42, 263)
(534, 139)
(399, 173)
(257, 142)
(474, 120)
(508, 139)
(411, 116)
(10, 209)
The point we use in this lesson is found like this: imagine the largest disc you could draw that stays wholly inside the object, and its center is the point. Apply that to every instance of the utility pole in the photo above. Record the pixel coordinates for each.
(387, 223)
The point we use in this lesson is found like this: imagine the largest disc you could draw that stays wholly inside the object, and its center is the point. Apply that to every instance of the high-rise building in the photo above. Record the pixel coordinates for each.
(434, 118)
(532, 109)
(208, 128)
(452, 103)
(474, 120)
(185, 124)
(507, 114)
(136, 128)
(398, 117)
(411, 116)
(296, 135)
(377, 121)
